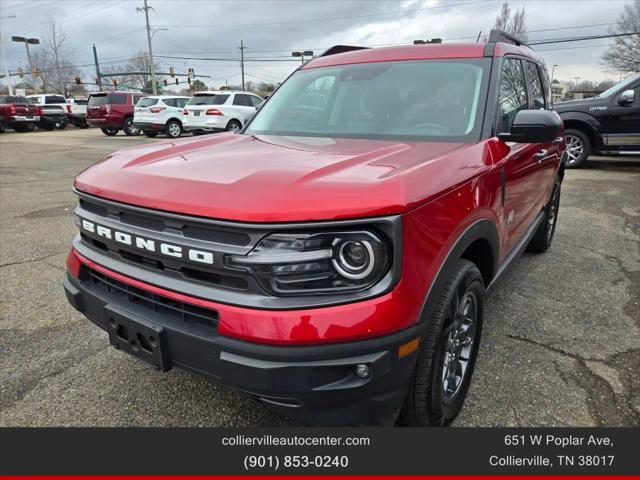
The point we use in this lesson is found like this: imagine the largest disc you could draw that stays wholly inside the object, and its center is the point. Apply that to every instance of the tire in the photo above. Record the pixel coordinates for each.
(61, 125)
(110, 131)
(150, 133)
(129, 128)
(578, 148)
(233, 126)
(84, 125)
(543, 237)
(173, 129)
(459, 308)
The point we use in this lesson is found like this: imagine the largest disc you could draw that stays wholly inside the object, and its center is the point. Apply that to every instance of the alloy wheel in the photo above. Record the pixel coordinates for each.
(575, 149)
(174, 130)
(460, 335)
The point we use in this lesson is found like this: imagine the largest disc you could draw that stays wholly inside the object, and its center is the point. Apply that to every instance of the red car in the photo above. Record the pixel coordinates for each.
(332, 259)
(113, 111)
(17, 113)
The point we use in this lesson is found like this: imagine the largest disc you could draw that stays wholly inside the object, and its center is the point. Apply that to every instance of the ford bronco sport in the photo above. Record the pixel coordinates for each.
(330, 260)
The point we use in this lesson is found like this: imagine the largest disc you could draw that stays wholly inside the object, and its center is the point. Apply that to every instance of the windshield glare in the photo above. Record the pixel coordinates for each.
(423, 100)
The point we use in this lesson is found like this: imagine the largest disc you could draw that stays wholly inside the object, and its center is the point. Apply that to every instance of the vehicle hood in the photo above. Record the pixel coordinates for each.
(279, 179)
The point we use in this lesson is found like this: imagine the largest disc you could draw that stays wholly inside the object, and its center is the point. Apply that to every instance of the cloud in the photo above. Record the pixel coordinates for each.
(272, 29)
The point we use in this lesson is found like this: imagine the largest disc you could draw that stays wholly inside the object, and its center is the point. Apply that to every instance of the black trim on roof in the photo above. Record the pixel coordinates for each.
(341, 49)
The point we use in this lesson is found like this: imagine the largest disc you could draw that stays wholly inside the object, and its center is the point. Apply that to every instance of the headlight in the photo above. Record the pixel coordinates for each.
(322, 262)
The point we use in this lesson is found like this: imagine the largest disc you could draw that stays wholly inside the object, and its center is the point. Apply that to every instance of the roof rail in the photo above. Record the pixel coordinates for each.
(341, 49)
(498, 36)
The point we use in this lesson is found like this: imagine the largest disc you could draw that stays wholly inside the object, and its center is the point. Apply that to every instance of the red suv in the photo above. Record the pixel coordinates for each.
(113, 111)
(331, 260)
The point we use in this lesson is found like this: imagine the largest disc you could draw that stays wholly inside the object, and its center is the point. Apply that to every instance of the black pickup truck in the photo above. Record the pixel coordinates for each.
(608, 123)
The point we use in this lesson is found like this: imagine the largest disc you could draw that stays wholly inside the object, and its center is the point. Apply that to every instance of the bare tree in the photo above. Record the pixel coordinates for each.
(140, 63)
(511, 22)
(624, 54)
(56, 70)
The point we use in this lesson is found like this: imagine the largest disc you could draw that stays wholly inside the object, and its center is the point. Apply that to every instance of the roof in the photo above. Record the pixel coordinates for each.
(168, 96)
(419, 52)
(219, 92)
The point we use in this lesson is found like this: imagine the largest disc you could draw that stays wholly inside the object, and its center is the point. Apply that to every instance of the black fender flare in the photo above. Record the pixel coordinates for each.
(483, 229)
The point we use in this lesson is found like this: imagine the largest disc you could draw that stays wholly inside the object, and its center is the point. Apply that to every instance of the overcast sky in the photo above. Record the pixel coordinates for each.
(271, 29)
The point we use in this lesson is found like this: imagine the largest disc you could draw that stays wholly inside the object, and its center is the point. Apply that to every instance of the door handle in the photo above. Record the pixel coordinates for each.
(541, 154)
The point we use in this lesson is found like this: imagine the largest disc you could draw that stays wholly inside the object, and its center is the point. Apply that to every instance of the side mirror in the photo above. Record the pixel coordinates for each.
(534, 126)
(627, 97)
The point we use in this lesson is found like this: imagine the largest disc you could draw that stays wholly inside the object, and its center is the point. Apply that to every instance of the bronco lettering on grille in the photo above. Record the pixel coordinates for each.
(148, 244)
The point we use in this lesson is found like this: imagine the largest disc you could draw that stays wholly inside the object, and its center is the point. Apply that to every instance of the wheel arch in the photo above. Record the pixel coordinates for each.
(480, 244)
(174, 118)
(584, 123)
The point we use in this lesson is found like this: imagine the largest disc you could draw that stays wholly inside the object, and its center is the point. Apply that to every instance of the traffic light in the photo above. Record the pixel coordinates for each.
(165, 82)
(35, 72)
(189, 80)
(115, 83)
(78, 80)
(20, 72)
(172, 72)
(177, 82)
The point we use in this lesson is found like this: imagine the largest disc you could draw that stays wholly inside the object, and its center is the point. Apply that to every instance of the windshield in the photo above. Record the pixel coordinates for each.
(619, 86)
(208, 99)
(437, 100)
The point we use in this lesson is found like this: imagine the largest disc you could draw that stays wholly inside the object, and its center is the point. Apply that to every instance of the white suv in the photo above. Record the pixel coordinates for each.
(218, 111)
(160, 114)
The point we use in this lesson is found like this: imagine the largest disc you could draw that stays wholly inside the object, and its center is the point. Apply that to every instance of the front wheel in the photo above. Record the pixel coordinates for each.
(129, 128)
(543, 237)
(110, 131)
(173, 129)
(578, 148)
(445, 365)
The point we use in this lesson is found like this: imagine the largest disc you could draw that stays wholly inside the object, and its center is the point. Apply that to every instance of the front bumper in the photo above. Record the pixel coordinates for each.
(317, 384)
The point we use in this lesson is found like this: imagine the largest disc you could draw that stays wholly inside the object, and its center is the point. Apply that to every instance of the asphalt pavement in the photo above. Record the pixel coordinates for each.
(560, 347)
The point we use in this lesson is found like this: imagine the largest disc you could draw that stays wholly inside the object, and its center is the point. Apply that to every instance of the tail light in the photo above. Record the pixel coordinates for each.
(156, 109)
(12, 110)
(214, 111)
(185, 112)
(68, 108)
(38, 110)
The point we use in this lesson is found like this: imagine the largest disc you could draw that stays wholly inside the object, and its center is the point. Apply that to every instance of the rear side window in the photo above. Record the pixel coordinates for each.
(242, 100)
(181, 102)
(169, 102)
(255, 100)
(513, 93)
(49, 99)
(535, 85)
(208, 100)
(147, 102)
(136, 98)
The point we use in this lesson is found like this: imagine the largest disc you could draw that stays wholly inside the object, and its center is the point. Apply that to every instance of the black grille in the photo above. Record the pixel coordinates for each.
(158, 304)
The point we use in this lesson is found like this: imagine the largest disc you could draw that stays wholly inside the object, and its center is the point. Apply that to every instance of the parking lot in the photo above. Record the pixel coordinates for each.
(561, 344)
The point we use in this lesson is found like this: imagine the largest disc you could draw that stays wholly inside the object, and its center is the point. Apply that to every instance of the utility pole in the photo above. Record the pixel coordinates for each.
(242, 47)
(98, 74)
(151, 69)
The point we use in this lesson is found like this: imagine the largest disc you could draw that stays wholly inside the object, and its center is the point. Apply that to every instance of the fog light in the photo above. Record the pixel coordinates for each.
(363, 370)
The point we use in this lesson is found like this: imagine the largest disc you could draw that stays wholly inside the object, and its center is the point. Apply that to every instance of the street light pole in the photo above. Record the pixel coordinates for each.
(27, 41)
(4, 61)
(553, 71)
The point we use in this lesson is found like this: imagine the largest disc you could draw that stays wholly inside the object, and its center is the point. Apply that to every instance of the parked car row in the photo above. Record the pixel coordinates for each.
(171, 115)
(45, 111)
